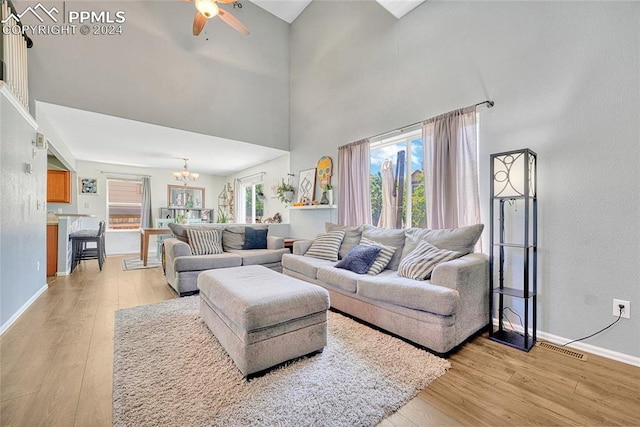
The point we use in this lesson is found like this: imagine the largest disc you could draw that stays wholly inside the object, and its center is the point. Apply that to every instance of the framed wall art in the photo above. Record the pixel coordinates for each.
(88, 186)
(307, 185)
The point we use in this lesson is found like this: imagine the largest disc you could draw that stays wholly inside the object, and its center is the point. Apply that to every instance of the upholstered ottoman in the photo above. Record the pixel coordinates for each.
(263, 318)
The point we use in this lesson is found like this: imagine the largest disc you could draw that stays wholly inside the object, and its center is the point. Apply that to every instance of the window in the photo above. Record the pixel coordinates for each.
(124, 204)
(251, 203)
(398, 197)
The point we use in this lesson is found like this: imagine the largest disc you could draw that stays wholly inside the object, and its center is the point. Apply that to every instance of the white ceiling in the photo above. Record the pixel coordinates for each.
(107, 139)
(288, 10)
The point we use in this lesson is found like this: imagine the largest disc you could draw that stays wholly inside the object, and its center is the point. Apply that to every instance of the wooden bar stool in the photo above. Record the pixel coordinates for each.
(79, 249)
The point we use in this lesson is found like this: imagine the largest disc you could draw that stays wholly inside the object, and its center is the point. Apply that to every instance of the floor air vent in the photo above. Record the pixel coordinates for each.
(563, 350)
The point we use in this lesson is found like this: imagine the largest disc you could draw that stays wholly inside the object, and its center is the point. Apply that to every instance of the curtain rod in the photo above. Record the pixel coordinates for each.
(251, 176)
(124, 173)
(488, 102)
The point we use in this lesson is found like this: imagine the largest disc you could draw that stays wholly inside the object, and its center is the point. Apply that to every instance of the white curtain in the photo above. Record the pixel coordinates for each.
(146, 215)
(451, 169)
(354, 190)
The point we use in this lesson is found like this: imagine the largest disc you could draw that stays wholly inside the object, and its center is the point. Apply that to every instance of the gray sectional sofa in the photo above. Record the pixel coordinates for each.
(182, 268)
(439, 313)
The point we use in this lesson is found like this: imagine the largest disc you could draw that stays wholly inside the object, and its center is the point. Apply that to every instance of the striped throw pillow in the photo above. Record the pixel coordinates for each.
(420, 262)
(383, 258)
(205, 242)
(326, 246)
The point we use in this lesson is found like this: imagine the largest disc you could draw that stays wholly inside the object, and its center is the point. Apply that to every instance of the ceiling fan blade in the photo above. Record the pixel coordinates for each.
(233, 22)
(198, 23)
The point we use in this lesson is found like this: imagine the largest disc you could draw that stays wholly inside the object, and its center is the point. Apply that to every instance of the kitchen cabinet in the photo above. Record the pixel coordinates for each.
(58, 186)
(52, 249)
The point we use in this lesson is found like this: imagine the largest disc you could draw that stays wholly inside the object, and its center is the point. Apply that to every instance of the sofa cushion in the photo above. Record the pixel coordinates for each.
(206, 262)
(180, 230)
(260, 256)
(383, 258)
(306, 266)
(388, 237)
(461, 239)
(352, 236)
(255, 238)
(359, 258)
(419, 264)
(205, 242)
(418, 295)
(339, 278)
(326, 246)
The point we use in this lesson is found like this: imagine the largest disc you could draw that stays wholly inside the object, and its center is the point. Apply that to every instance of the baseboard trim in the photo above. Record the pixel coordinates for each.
(589, 348)
(22, 309)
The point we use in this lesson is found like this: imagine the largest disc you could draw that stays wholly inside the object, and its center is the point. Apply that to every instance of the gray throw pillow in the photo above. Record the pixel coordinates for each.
(461, 239)
(419, 264)
(233, 238)
(352, 235)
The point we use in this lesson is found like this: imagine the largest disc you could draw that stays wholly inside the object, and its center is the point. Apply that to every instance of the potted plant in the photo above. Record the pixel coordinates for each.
(222, 216)
(285, 192)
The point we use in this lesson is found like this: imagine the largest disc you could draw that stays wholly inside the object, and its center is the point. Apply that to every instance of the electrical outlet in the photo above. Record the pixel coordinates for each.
(626, 311)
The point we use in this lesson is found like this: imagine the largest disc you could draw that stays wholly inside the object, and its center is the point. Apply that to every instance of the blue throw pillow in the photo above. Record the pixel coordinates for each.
(359, 259)
(255, 238)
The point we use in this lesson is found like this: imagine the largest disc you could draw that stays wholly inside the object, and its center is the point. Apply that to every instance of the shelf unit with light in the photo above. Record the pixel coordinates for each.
(514, 249)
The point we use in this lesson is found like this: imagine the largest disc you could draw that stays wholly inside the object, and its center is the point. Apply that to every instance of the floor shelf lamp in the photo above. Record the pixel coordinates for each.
(513, 257)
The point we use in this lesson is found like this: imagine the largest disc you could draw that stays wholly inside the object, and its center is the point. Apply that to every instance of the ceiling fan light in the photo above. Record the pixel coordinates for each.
(207, 8)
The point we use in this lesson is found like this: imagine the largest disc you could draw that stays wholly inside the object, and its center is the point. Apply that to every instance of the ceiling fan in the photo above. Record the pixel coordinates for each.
(208, 9)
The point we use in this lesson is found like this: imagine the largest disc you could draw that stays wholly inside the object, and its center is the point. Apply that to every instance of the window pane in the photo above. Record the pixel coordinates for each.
(396, 182)
(418, 201)
(259, 203)
(124, 217)
(124, 204)
(248, 204)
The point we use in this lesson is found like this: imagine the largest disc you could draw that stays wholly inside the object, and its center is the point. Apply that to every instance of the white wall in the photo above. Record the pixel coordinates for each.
(123, 242)
(220, 83)
(23, 260)
(565, 79)
(274, 171)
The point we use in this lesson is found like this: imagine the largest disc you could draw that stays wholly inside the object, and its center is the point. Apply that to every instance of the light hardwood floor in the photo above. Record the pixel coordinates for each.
(56, 367)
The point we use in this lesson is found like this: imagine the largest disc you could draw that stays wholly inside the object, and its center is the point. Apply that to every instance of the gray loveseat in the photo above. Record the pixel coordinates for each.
(181, 267)
(439, 313)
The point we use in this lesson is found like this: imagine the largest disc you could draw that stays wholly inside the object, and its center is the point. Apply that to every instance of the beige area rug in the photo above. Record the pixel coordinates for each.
(169, 370)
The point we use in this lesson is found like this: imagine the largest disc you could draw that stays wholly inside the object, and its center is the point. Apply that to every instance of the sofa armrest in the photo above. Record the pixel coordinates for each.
(300, 247)
(468, 275)
(275, 242)
(460, 273)
(174, 248)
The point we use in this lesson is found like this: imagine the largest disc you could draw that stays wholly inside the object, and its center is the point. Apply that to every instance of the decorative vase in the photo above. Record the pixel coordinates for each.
(324, 200)
(330, 197)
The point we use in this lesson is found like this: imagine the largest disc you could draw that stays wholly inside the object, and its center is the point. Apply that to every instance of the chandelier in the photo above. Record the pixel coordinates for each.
(185, 175)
